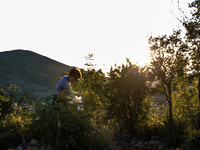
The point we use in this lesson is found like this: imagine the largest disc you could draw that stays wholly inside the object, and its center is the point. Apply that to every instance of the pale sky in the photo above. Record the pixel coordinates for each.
(68, 30)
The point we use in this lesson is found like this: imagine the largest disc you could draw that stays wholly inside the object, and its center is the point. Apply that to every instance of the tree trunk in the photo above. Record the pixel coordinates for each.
(171, 119)
(168, 94)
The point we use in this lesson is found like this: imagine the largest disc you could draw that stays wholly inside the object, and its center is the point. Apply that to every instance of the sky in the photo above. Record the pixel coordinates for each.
(68, 30)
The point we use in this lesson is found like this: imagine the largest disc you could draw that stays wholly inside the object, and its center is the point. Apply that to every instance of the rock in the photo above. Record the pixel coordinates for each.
(140, 144)
(160, 147)
(19, 148)
(134, 141)
(33, 142)
(154, 144)
(32, 148)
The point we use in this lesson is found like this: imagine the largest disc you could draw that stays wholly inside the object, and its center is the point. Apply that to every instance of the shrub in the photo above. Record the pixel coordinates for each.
(193, 140)
(126, 92)
(63, 127)
(14, 127)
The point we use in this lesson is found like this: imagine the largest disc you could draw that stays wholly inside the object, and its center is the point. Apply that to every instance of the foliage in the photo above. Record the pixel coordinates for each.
(185, 110)
(92, 87)
(5, 104)
(62, 127)
(192, 141)
(168, 56)
(186, 102)
(192, 26)
(120, 101)
(126, 92)
(25, 97)
(55, 126)
(90, 60)
(169, 61)
(7, 99)
(15, 126)
(15, 119)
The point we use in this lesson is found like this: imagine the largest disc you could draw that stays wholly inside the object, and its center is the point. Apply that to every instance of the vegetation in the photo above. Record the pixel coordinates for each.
(63, 127)
(168, 64)
(54, 126)
(161, 99)
(126, 92)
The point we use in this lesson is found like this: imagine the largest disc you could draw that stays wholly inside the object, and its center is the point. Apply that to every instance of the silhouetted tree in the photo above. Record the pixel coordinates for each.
(192, 26)
(168, 62)
(126, 93)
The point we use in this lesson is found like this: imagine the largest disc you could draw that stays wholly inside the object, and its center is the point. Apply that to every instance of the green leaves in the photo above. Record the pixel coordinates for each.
(62, 127)
(126, 97)
(192, 26)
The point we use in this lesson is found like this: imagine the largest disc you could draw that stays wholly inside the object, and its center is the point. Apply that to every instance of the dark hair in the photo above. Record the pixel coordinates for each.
(76, 73)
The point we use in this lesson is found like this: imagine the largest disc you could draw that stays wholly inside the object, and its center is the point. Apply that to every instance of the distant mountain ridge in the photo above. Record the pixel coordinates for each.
(28, 69)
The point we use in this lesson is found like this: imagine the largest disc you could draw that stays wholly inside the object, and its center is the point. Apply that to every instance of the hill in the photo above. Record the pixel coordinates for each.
(28, 69)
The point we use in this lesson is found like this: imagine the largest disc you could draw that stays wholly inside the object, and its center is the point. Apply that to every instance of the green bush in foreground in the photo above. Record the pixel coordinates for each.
(15, 127)
(63, 127)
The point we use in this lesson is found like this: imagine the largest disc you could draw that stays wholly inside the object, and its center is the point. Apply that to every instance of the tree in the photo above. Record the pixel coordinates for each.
(186, 103)
(168, 62)
(5, 104)
(192, 26)
(91, 87)
(7, 99)
(92, 90)
(126, 91)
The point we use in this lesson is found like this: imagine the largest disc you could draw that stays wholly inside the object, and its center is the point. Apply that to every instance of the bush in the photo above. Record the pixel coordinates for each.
(127, 92)
(63, 127)
(192, 141)
(14, 127)
(14, 120)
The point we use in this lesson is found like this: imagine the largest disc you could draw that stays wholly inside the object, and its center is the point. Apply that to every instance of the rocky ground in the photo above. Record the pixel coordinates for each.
(121, 143)
(124, 143)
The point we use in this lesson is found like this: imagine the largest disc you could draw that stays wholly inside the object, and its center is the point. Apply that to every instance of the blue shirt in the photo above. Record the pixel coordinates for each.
(62, 84)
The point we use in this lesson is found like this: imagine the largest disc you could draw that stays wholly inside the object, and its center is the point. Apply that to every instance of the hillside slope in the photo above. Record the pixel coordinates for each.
(30, 70)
